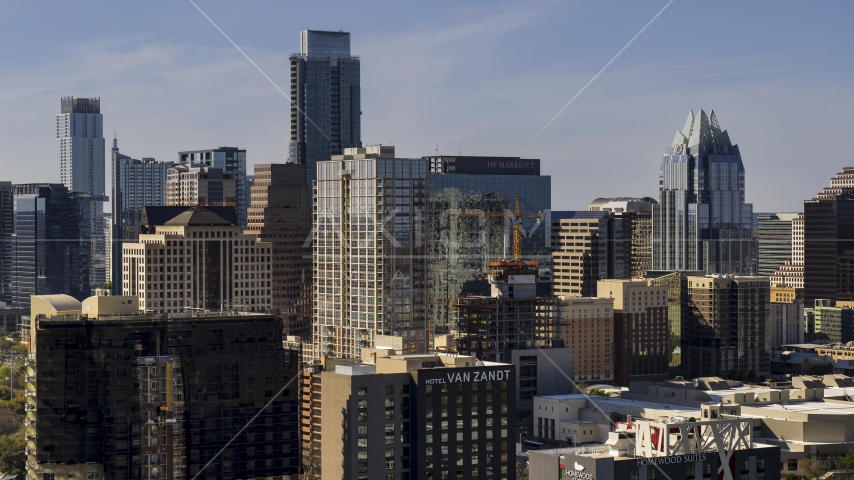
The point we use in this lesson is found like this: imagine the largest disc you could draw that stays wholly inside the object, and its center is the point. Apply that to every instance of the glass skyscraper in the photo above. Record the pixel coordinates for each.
(325, 99)
(701, 221)
(52, 242)
(136, 184)
(471, 208)
(80, 131)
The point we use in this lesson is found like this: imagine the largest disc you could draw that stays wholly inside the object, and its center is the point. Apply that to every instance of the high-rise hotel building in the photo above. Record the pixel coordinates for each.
(325, 99)
(370, 267)
(701, 221)
(197, 260)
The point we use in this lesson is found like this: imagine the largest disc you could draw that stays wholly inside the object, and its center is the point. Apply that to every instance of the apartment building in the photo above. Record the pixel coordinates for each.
(587, 327)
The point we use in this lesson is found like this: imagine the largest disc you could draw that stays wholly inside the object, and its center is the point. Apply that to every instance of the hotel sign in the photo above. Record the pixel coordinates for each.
(470, 376)
(491, 165)
(695, 457)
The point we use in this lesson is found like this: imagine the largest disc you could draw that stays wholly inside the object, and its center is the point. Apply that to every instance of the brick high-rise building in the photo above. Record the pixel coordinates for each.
(587, 327)
(279, 213)
(641, 330)
(582, 251)
(726, 327)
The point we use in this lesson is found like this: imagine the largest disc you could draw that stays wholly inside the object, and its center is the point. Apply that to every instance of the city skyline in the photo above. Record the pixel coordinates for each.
(431, 78)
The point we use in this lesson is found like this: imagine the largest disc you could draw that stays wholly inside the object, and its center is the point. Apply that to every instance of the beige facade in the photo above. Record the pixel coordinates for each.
(587, 326)
(188, 185)
(581, 252)
(640, 329)
(198, 260)
(369, 252)
(791, 273)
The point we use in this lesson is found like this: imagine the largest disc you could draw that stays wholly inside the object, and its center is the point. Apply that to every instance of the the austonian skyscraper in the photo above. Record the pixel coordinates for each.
(701, 221)
(325, 99)
(80, 131)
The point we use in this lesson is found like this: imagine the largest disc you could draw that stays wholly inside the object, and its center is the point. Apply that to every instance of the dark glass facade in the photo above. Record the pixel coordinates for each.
(52, 242)
(7, 226)
(325, 99)
(471, 218)
(157, 397)
(829, 248)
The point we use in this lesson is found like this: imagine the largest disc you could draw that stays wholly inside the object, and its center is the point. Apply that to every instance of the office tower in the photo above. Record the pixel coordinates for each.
(230, 160)
(774, 239)
(834, 322)
(725, 330)
(701, 221)
(135, 183)
(115, 393)
(280, 214)
(787, 324)
(791, 272)
(632, 233)
(676, 283)
(188, 185)
(52, 242)
(472, 212)
(7, 229)
(513, 317)
(641, 330)
(369, 252)
(80, 131)
(587, 326)
(829, 241)
(325, 100)
(197, 260)
(418, 417)
(582, 251)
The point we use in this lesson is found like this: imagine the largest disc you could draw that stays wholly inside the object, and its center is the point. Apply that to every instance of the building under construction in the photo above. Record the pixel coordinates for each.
(112, 393)
(513, 317)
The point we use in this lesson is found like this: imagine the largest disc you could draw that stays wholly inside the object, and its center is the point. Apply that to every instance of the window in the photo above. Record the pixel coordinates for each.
(793, 464)
(363, 455)
(362, 391)
(362, 443)
(363, 429)
(48, 476)
(745, 466)
(689, 471)
(389, 389)
(760, 465)
(707, 470)
(650, 474)
(633, 475)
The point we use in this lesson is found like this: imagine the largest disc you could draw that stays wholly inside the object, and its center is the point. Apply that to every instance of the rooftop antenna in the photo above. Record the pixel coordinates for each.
(437, 149)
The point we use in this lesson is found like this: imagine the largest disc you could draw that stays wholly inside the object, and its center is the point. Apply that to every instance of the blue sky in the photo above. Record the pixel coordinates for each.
(480, 78)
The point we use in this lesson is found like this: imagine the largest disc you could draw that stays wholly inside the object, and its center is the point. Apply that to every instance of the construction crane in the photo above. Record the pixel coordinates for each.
(517, 227)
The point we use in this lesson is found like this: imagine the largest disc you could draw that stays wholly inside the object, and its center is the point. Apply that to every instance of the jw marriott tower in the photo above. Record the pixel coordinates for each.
(701, 221)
